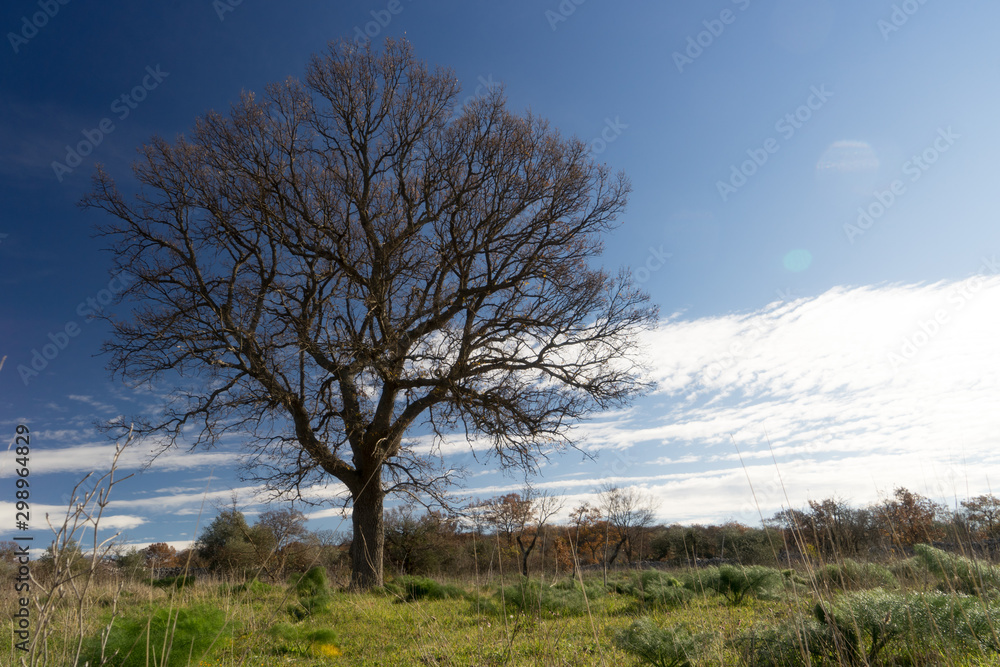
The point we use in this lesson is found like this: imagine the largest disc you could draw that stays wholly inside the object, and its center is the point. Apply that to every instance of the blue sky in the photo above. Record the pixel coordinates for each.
(813, 211)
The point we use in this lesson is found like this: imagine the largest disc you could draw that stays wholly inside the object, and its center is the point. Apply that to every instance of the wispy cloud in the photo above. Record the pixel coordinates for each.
(89, 457)
(89, 400)
(851, 392)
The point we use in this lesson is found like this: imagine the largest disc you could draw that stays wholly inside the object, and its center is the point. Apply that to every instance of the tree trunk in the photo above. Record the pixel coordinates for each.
(368, 541)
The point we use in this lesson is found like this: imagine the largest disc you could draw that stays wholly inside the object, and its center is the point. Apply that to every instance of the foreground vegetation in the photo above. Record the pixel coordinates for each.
(931, 608)
(261, 594)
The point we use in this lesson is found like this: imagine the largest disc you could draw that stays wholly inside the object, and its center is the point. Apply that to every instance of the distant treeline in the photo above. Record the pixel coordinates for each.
(516, 533)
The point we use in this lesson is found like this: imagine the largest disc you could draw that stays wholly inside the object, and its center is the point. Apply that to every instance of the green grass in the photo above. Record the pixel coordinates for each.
(409, 588)
(162, 636)
(709, 616)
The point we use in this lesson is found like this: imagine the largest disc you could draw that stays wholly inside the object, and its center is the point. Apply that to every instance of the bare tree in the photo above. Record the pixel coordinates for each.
(628, 512)
(544, 507)
(286, 525)
(341, 260)
(983, 514)
(521, 518)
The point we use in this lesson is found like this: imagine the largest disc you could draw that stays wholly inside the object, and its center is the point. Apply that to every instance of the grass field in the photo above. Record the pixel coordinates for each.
(930, 609)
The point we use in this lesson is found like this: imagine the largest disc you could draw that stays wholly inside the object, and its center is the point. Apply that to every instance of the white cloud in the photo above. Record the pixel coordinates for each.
(41, 514)
(92, 457)
(89, 400)
(853, 392)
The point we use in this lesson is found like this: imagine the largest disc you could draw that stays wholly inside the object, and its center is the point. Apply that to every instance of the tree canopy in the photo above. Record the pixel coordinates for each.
(351, 256)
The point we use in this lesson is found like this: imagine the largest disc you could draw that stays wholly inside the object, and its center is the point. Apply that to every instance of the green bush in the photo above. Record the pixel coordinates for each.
(254, 587)
(660, 647)
(852, 575)
(407, 589)
(312, 591)
(910, 573)
(737, 583)
(179, 581)
(565, 598)
(175, 638)
(860, 626)
(782, 646)
(654, 588)
(879, 627)
(958, 573)
(310, 583)
(306, 642)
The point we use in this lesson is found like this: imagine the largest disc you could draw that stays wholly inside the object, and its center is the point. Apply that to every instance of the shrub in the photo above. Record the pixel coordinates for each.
(312, 591)
(661, 647)
(781, 646)
(565, 598)
(654, 588)
(852, 575)
(253, 587)
(178, 581)
(910, 573)
(861, 625)
(959, 573)
(168, 638)
(737, 583)
(861, 628)
(297, 640)
(310, 583)
(407, 589)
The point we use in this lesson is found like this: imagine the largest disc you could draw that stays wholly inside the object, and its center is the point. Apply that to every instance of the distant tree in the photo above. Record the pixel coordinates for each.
(418, 544)
(521, 519)
(160, 555)
(333, 549)
(682, 545)
(285, 524)
(586, 533)
(69, 551)
(836, 528)
(189, 558)
(281, 539)
(909, 518)
(832, 527)
(227, 545)
(131, 562)
(983, 515)
(8, 558)
(747, 545)
(342, 258)
(507, 515)
(628, 512)
(543, 508)
(70, 557)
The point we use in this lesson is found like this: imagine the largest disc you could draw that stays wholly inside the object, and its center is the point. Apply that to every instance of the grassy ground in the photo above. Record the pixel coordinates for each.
(697, 618)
